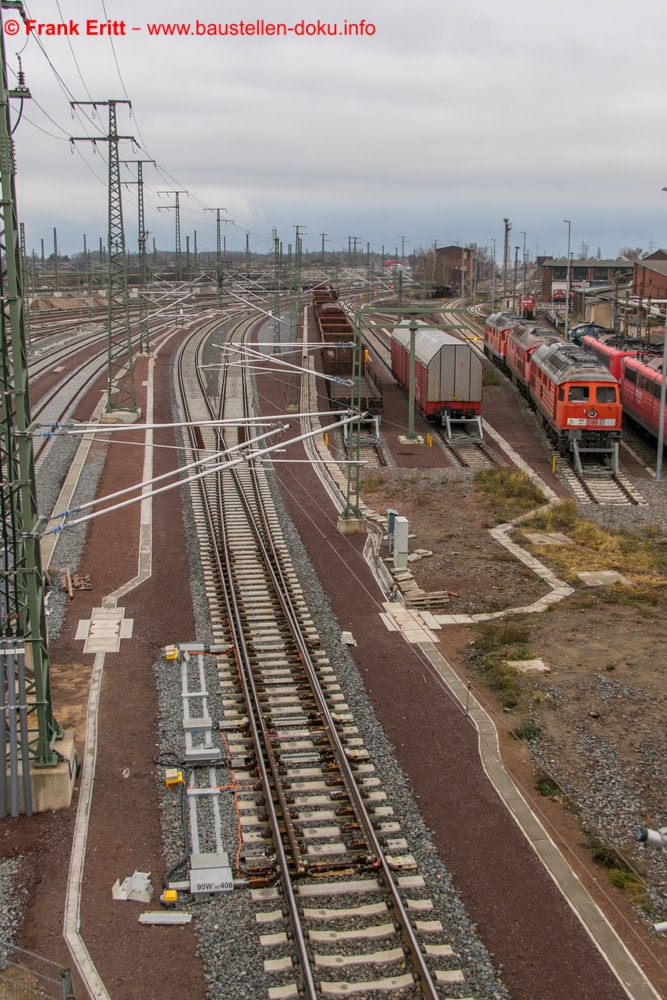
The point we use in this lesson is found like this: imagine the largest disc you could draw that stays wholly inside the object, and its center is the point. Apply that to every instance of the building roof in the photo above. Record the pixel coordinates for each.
(587, 262)
(466, 250)
(653, 265)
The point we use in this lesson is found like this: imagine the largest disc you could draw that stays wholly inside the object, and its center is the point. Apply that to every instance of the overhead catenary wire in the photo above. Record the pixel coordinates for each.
(263, 421)
(253, 355)
(88, 119)
(165, 475)
(250, 455)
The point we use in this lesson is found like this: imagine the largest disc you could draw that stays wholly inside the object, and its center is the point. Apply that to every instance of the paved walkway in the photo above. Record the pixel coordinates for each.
(603, 935)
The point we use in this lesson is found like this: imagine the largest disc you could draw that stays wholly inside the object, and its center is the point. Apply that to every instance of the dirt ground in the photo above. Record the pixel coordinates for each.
(597, 717)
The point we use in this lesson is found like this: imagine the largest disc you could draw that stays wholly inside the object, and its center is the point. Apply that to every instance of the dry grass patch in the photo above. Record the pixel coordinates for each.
(634, 554)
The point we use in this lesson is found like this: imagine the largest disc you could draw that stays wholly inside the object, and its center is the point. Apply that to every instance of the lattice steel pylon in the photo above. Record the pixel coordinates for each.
(120, 373)
(144, 345)
(218, 255)
(177, 209)
(28, 726)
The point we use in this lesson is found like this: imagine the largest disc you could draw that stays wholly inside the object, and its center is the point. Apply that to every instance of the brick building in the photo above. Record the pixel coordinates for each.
(650, 277)
(589, 273)
(449, 262)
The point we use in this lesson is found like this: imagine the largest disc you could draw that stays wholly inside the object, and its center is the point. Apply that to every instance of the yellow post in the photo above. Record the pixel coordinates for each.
(326, 440)
(553, 464)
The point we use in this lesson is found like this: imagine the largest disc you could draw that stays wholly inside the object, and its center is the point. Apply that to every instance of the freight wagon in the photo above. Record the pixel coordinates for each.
(337, 335)
(448, 377)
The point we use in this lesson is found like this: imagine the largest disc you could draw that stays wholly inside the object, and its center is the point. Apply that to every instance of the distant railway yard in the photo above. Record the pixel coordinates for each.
(366, 705)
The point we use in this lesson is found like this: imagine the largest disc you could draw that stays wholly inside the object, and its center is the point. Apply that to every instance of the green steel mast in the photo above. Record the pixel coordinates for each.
(23, 647)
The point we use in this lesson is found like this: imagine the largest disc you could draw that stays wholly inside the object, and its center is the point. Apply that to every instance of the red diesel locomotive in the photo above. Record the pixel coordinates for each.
(578, 401)
(522, 341)
(496, 330)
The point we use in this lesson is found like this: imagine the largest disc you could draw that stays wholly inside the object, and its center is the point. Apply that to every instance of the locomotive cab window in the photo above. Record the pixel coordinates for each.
(577, 394)
(561, 395)
(605, 394)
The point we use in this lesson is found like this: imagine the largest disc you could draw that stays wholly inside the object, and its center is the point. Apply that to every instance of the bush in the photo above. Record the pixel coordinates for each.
(548, 788)
(529, 731)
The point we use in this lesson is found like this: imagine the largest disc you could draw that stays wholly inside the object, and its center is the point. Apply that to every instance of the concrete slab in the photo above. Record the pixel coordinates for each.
(121, 416)
(388, 622)
(351, 525)
(547, 538)
(103, 632)
(603, 577)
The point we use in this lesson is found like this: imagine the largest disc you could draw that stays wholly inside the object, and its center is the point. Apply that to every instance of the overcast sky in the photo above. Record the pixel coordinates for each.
(448, 117)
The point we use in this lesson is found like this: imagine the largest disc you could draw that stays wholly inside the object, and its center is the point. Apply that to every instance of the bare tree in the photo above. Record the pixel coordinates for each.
(632, 253)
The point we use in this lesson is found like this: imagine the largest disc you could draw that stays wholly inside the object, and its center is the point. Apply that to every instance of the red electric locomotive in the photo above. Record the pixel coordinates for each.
(610, 350)
(641, 385)
(578, 401)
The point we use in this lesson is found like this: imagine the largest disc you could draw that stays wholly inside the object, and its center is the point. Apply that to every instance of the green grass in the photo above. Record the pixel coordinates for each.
(496, 644)
(621, 874)
(548, 788)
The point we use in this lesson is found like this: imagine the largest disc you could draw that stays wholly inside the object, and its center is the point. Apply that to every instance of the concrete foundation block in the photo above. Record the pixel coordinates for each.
(53, 787)
(352, 525)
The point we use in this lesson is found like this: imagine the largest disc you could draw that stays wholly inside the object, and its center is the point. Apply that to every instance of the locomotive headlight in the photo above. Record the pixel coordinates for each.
(592, 413)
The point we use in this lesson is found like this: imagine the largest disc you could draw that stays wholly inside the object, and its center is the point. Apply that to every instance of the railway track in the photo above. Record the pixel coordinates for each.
(340, 904)
(469, 456)
(602, 488)
(59, 401)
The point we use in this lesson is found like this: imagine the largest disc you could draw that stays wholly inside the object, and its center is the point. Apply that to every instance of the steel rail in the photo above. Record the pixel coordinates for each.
(247, 683)
(345, 767)
(376, 858)
(252, 699)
